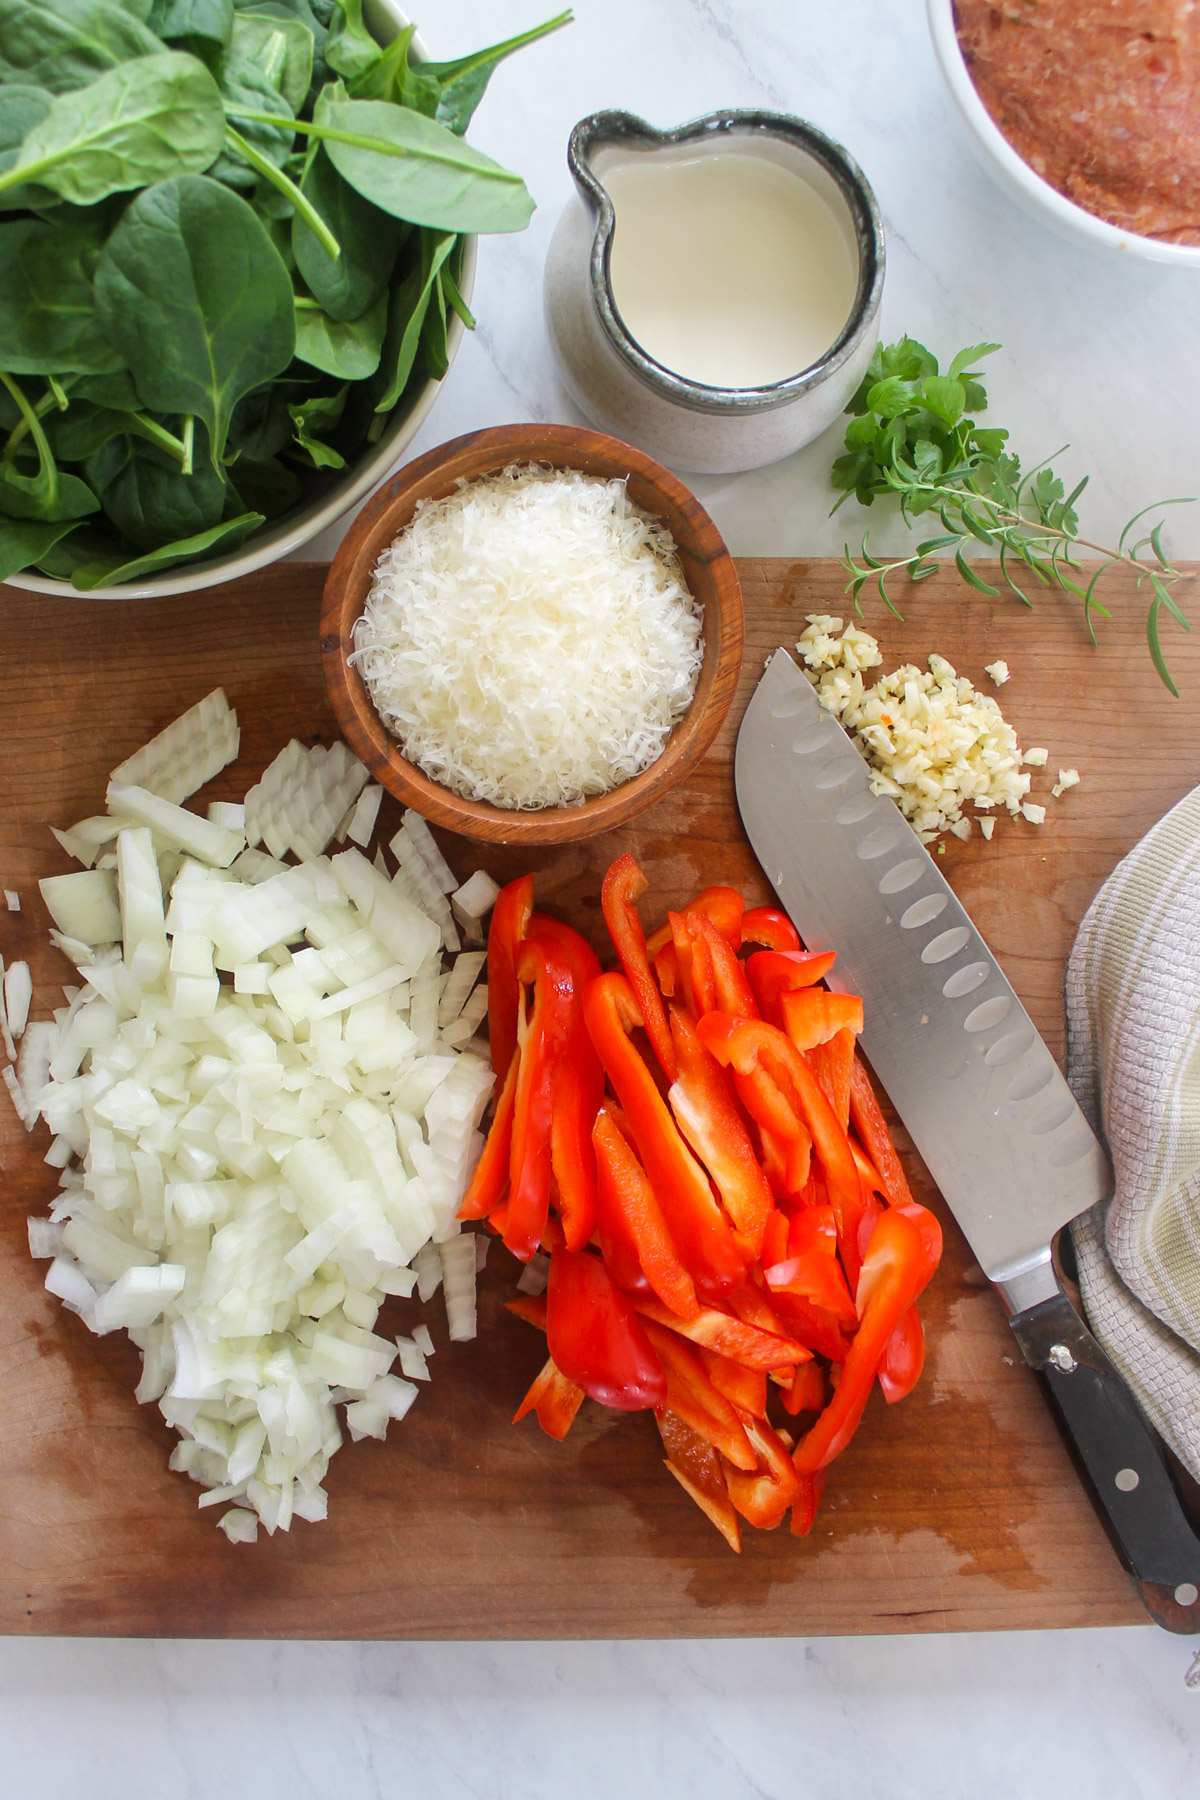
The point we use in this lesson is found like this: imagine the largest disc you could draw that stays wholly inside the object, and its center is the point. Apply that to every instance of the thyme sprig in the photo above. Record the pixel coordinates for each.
(913, 435)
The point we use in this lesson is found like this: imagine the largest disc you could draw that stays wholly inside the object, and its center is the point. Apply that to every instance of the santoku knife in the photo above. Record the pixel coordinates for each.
(978, 1090)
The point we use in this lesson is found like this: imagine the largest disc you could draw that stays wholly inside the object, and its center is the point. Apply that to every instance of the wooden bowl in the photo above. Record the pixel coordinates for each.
(707, 566)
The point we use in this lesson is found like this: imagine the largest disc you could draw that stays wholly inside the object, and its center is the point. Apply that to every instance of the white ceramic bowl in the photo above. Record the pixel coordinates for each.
(1013, 173)
(385, 19)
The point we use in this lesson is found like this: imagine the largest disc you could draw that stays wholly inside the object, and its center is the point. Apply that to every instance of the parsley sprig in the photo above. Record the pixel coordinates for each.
(913, 434)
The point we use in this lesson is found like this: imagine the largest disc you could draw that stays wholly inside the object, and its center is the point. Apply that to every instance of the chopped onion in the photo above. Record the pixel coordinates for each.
(191, 750)
(12, 899)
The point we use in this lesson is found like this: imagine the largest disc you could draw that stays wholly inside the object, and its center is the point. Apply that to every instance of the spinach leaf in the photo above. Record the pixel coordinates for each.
(191, 291)
(350, 349)
(71, 43)
(24, 542)
(228, 534)
(255, 39)
(116, 390)
(406, 318)
(79, 432)
(350, 284)
(148, 498)
(247, 88)
(322, 413)
(208, 19)
(462, 83)
(351, 50)
(21, 108)
(261, 425)
(417, 169)
(44, 495)
(435, 358)
(153, 117)
(313, 19)
(48, 320)
(270, 488)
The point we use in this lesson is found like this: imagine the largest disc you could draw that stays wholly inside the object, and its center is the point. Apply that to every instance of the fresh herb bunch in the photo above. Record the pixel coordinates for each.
(913, 435)
(231, 240)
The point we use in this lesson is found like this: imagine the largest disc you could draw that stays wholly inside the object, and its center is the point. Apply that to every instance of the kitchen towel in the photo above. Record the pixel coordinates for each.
(1133, 1015)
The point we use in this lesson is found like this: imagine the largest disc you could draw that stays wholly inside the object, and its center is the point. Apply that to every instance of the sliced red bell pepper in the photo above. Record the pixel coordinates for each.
(871, 1127)
(693, 963)
(805, 1262)
(812, 1326)
(808, 1390)
(723, 905)
(868, 1174)
(750, 1044)
(490, 1178)
(623, 885)
(903, 1359)
(543, 967)
(596, 1339)
(806, 1503)
(666, 969)
(775, 972)
(702, 1100)
(768, 925)
(510, 916)
(902, 1255)
(692, 1396)
(554, 1398)
(731, 988)
(530, 1307)
(698, 1469)
(812, 1015)
(703, 1236)
(763, 1497)
(633, 1234)
(746, 1388)
(720, 1331)
(576, 1093)
(748, 1302)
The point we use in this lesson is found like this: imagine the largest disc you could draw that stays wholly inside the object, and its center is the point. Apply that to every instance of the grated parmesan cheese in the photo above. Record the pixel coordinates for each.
(530, 639)
(933, 742)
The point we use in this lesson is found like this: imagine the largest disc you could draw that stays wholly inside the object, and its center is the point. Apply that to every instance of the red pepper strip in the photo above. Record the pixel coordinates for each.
(764, 1497)
(868, 1174)
(723, 905)
(767, 925)
(812, 1015)
(595, 1337)
(903, 1359)
(773, 1113)
(733, 993)
(804, 1506)
(693, 961)
(530, 1307)
(832, 1064)
(747, 1388)
(806, 1263)
(510, 916)
(692, 1396)
(540, 965)
(634, 1237)
(704, 1238)
(622, 886)
(707, 1114)
(698, 1469)
(487, 1185)
(775, 972)
(577, 1091)
(748, 1302)
(902, 1255)
(871, 1127)
(808, 1391)
(555, 1399)
(720, 1331)
(749, 1044)
(812, 1326)
(666, 969)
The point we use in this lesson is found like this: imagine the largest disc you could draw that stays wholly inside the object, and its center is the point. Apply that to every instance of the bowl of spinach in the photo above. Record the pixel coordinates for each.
(237, 247)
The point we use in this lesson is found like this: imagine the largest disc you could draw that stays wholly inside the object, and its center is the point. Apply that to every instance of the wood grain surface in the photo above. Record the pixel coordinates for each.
(958, 1509)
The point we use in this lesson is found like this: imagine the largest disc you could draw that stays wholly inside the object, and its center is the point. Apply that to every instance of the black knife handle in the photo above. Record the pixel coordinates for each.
(1121, 1455)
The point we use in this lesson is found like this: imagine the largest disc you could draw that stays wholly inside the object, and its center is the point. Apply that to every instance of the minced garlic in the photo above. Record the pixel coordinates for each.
(997, 670)
(933, 742)
(1067, 778)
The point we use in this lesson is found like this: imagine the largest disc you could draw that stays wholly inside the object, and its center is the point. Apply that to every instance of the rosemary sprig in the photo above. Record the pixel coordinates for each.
(911, 436)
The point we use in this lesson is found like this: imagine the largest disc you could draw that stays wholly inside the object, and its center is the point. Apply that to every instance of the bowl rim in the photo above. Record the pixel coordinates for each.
(274, 542)
(711, 129)
(438, 472)
(1075, 220)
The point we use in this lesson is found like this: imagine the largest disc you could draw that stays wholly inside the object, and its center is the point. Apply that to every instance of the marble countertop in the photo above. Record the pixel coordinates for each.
(1099, 352)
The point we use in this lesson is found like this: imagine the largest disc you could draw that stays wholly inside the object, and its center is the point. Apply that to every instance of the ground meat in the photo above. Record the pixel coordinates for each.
(1101, 97)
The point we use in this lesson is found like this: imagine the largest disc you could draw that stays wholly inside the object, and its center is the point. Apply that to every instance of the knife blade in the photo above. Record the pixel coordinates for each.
(977, 1088)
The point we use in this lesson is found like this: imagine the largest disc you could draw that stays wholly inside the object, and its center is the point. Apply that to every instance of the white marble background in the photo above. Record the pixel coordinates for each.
(1101, 353)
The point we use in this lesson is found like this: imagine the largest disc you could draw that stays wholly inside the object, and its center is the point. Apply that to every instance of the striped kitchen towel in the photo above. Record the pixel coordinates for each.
(1133, 1014)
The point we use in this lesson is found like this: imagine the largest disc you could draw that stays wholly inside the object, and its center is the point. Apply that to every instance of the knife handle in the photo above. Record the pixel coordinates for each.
(1122, 1458)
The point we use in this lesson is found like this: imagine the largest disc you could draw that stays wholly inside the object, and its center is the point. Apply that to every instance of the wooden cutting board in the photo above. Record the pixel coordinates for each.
(957, 1510)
